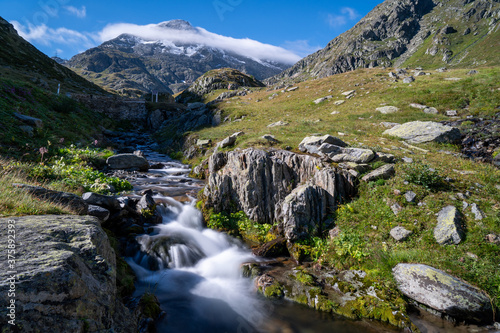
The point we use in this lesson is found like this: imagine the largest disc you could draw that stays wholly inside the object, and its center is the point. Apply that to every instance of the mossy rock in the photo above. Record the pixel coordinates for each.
(150, 306)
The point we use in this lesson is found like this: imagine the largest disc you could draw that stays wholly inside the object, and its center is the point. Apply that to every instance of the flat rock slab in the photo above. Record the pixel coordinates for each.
(425, 131)
(400, 234)
(443, 292)
(387, 109)
(384, 172)
(71, 200)
(340, 154)
(449, 229)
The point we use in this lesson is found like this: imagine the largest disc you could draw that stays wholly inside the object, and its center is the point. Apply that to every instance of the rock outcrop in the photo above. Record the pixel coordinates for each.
(425, 131)
(225, 78)
(443, 292)
(277, 186)
(66, 277)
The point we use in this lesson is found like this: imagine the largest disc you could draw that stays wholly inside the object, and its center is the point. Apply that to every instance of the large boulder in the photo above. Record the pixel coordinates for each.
(384, 172)
(449, 229)
(425, 131)
(311, 144)
(257, 182)
(127, 161)
(66, 277)
(443, 292)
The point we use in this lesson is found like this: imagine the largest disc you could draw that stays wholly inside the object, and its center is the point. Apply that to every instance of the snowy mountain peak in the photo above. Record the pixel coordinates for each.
(177, 25)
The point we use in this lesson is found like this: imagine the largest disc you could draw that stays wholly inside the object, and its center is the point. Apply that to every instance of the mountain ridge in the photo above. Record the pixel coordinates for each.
(433, 33)
(133, 64)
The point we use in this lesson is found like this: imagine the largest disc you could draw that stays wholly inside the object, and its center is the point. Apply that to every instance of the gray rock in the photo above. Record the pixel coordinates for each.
(292, 89)
(107, 201)
(339, 154)
(396, 208)
(401, 71)
(203, 143)
(277, 124)
(355, 166)
(384, 172)
(431, 110)
(301, 211)
(472, 72)
(339, 102)
(418, 106)
(127, 161)
(349, 92)
(311, 144)
(442, 70)
(492, 238)
(146, 202)
(73, 201)
(100, 212)
(31, 121)
(67, 272)
(270, 138)
(449, 229)
(393, 75)
(451, 113)
(400, 234)
(443, 292)
(257, 182)
(227, 142)
(478, 213)
(386, 158)
(410, 196)
(322, 99)
(28, 130)
(408, 79)
(425, 131)
(407, 159)
(387, 109)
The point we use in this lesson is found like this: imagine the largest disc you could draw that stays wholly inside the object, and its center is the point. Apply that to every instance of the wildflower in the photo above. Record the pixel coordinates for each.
(96, 142)
(43, 151)
(61, 140)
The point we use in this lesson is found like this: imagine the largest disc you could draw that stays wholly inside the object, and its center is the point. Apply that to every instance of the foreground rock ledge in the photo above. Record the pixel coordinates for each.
(66, 277)
(443, 292)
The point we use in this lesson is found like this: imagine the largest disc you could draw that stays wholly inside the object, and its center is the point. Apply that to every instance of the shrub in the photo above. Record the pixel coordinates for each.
(422, 174)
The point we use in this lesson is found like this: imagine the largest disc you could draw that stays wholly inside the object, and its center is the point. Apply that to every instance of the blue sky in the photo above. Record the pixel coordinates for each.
(72, 26)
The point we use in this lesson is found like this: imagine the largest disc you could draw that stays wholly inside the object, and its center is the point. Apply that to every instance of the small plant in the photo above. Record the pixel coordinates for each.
(350, 243)
(422, 174)
(43, 151)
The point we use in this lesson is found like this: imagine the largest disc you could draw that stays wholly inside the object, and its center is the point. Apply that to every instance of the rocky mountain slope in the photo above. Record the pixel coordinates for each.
(20, 60)
(132, 64)
(430, 33)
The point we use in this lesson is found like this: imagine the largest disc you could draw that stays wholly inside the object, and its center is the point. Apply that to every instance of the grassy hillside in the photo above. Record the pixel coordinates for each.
(366, 221)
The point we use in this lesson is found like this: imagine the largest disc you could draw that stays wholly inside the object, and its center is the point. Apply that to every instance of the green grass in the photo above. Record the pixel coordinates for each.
(365, 242)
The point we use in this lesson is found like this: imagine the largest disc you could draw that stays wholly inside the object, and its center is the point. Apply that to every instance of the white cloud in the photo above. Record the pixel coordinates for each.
(300, 47)
(346, 14)
(245, 46)
(80, 13)
(48, 36)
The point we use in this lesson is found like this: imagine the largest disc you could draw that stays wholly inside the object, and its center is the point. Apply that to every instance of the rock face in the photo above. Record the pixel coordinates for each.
(66, 277)
(443, 292)
(425, 131)
(449, 229)
(392, 34)
(127, 161)
(276, 186)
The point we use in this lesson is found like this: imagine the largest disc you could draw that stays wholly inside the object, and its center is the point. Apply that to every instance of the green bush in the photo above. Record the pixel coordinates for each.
(241, 225)
(350, 244)
(70, 168)
(422, 174)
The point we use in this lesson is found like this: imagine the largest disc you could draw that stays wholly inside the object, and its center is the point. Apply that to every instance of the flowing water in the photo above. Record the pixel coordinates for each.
(195, 272)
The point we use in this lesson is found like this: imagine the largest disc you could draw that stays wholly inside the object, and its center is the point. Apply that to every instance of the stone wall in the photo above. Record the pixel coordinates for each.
(116, 108)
